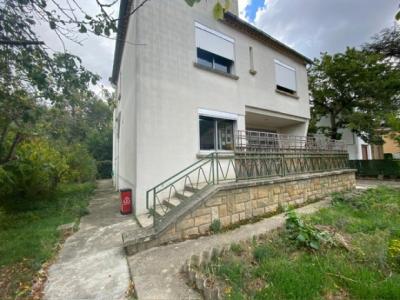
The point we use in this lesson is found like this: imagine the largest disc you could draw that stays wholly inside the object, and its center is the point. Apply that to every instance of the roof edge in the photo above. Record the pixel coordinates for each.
(230, 19)
(123, 21)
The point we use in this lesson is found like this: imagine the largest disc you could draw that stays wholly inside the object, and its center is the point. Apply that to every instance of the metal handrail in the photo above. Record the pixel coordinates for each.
(306, 155)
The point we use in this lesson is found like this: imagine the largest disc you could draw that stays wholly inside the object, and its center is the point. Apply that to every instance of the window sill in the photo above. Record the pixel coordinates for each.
(231, 76)
(221, 153)
(287, 94)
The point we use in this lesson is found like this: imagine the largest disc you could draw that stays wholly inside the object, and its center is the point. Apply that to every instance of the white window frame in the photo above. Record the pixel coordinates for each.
(202, 112)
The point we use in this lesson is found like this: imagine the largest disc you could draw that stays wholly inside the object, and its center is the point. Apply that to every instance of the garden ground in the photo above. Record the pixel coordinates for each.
(29, 237)
(365, 265)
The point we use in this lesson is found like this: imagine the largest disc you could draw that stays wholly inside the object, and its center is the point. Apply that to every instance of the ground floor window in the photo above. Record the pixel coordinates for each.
(216, 134)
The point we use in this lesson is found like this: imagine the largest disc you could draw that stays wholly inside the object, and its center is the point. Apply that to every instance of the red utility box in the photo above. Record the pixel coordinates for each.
(126, 201)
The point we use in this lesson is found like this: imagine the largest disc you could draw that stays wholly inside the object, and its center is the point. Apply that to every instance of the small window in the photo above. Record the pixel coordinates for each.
(214, 61)
(285, 78)
(216, 134)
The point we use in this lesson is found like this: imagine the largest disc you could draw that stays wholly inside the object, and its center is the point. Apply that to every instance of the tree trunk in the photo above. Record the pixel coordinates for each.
(334, 128)
(13, 148)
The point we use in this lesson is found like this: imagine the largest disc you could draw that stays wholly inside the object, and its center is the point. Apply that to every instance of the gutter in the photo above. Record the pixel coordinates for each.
(123, 22)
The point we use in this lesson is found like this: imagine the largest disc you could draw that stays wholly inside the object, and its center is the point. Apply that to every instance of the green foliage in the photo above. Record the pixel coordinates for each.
(305, 234)
(29, 234)
(373, 168)
(260, 253)
(37, 172)
(215, 226)
(82, 166)
(104, 169)
(367, 270)
(218, 10)
(394, 249)
(354, 90)
(236, 248)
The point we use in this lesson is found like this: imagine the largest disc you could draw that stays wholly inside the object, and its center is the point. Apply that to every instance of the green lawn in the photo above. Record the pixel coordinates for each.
(276, 267)
(29, 236)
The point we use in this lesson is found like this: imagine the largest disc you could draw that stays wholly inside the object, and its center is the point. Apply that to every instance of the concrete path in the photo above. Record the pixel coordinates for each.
(156, 272)
(92, 263)
(373, 183)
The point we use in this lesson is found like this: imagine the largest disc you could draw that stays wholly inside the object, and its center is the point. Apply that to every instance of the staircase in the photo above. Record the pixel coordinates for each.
(170, 205)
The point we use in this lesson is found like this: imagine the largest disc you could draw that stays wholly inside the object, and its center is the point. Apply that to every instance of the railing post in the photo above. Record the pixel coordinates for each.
(283, 164)
(212, 167)
(154, 208)
(217, 163)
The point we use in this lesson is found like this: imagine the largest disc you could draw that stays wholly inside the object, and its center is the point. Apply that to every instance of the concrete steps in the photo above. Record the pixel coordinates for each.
(168, 205)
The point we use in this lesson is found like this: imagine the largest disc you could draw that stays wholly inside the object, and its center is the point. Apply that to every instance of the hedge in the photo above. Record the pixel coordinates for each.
(373, 168)
(104, 169)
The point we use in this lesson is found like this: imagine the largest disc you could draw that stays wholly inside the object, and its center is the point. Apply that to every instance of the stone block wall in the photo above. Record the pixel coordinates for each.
(234, 202)
(241, 201)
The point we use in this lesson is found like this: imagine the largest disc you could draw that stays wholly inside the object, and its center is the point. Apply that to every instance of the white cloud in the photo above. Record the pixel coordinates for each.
(242, 5)
(314, 26)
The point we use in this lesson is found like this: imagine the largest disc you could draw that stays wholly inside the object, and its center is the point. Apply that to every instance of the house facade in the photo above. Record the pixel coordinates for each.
(186, 83)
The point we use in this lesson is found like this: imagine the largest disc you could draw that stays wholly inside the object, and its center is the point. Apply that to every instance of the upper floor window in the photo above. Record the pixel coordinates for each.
(214, 49)
(285, 78)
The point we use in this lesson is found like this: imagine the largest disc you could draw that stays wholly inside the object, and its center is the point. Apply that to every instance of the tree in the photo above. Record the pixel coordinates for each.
(355, 90)
(387, 43)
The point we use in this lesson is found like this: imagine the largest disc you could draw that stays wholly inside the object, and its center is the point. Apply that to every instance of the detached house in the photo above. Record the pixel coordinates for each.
(187, 85)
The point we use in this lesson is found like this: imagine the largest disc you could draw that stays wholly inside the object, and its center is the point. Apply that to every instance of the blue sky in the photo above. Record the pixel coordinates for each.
(251, 9)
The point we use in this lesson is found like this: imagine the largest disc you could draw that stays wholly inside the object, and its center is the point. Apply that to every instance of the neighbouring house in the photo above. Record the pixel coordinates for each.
(391, 146)
(357, 148)
(211, 122)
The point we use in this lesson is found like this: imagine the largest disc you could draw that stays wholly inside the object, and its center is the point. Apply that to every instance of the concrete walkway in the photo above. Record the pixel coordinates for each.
(373, 183)
(156, 272)
(92, 263)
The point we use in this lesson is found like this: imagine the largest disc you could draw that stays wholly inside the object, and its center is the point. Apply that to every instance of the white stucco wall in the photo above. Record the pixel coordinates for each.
(162, 91)
(354, 143)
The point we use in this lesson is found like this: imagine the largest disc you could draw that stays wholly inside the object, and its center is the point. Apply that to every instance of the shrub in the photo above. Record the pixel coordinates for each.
(38, 169)
(104, 169)
(215, 226)
(82, 166)
(305, 234)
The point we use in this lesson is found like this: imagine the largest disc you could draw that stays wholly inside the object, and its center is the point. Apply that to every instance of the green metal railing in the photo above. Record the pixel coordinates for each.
(215, 169)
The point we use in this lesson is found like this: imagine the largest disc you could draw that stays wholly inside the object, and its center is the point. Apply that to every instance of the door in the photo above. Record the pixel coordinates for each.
(364, 151)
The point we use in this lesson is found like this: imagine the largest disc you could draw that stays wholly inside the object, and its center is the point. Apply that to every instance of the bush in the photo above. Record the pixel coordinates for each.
(104, 169)
(82, 166)
(388, 156)
(38, 169)
(373, 168)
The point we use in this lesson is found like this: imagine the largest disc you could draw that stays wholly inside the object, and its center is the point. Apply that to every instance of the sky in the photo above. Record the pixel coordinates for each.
(308, 26)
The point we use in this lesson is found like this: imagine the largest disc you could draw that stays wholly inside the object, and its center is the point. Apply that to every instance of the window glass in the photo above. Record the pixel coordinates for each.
(225, 134)
(207, 133)
(222, 64)
(213, 61)
(204, 58)
(216, 134)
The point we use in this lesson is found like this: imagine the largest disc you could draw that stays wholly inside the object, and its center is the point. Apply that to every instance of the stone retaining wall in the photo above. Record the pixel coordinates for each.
(242, 201)
(231, 203)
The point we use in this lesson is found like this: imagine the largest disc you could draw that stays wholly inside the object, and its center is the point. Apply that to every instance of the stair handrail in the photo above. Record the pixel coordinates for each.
(199, 163)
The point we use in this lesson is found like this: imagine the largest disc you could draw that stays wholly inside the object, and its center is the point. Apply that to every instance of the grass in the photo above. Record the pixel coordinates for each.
(29, 236)
(275, 267)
